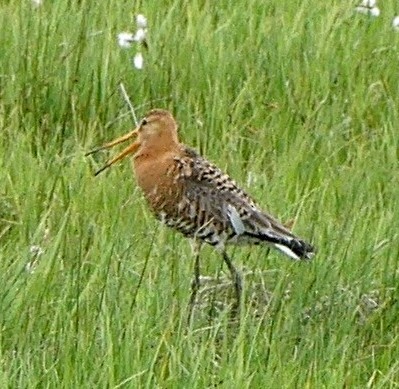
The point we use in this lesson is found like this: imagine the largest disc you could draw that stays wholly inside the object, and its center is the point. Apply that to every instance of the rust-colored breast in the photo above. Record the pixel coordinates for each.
(157, 177)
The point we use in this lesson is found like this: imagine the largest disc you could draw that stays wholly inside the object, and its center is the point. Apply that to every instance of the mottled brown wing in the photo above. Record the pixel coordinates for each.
(219, 204)
(220, 199)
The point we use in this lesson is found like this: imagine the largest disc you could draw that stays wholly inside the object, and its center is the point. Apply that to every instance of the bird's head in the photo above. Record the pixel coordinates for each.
(156, 132)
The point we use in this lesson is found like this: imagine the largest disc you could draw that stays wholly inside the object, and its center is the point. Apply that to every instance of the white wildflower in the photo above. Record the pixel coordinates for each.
(368, 7)
(141, 21)
(138, 61)
(395, 23)
(375, 11)
(37, 3)
(140, 35)
(36, 251)
(125, 39)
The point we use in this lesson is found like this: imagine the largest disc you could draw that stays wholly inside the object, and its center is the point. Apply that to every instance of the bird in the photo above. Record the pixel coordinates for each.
(190, 194)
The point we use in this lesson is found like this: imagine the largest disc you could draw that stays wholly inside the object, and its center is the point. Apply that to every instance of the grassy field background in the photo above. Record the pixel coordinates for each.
(297, 100)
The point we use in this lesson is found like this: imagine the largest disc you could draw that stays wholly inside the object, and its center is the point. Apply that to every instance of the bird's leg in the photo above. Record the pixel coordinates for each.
(195, 283)
(236, 278)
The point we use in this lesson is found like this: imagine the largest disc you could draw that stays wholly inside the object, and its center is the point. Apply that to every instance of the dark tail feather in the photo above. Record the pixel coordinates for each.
(295, 248)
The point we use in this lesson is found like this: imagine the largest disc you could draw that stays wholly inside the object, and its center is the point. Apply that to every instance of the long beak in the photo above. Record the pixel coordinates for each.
(128, 150)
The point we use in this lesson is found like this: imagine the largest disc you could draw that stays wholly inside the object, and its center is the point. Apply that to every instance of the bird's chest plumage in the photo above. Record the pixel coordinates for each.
(164, 185)
(158, 181)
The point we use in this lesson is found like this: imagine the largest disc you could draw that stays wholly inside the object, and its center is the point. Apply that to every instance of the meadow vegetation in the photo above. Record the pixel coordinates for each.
(297, 100)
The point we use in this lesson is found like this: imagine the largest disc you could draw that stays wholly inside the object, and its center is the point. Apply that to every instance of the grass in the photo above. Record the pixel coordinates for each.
(297, 100)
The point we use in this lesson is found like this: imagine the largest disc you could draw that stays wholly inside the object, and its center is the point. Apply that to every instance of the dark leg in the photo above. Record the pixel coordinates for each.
(236, 278)
(195, 283)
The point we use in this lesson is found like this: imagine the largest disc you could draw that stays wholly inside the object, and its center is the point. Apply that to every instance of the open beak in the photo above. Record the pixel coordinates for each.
(128, 150)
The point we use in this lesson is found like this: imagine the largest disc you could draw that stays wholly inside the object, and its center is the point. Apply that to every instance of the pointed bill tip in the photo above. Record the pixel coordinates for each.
(102, 169)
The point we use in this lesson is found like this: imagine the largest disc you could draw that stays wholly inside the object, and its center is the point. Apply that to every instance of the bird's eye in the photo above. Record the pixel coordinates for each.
(144, 122)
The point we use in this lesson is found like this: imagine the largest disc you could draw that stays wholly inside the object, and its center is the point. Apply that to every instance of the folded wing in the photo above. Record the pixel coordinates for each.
(224, 213)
